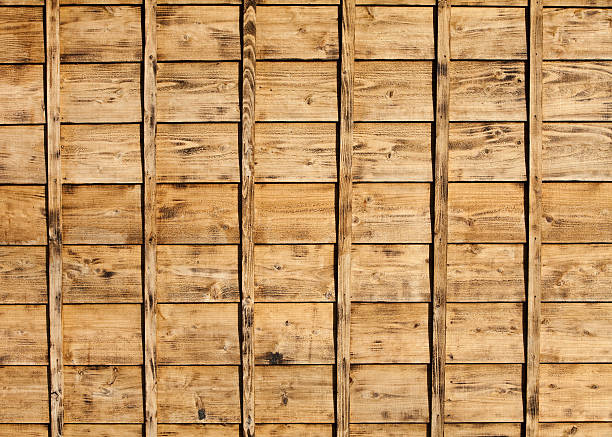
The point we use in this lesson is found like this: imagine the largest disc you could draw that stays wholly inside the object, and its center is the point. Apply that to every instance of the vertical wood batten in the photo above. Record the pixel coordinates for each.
(345, 212)
(248, 216)
(440, 232)
(54, 218)
(536, 36)
(150, 226)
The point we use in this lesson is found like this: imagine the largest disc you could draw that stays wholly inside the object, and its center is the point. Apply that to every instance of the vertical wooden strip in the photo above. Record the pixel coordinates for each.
(536, 36)
(54, 220)
(248, 216)
(440, 237)
(345, 213)
(150, 226)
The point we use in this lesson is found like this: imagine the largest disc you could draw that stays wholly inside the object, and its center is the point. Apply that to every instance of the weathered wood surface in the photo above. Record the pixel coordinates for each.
(22, 151)
(21, 94)
(24, 396)
(23, 329)
(21, 35)
(23, 274)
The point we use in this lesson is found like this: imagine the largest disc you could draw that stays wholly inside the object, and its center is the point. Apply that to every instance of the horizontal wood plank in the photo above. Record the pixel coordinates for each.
(102, 334)
(491, 90)
(388, 429)
(288, 394)
(577, 91)
(197, 91)
(294, 430)
(198, 33)
(23, 274)
(296, 152)
(578, 212)
(575, 429)
(23, 329)
(105, 430)
(197, 273)
(197, 213)
(106, 214)
(486, 152)
(296, 91)
(391, 213)
(22, 152)
(389, 393)
(483, 429)
(486, 272)
(577, 3)
(24, 396)
(486, 212)
(176, 430)
(197, 153)
(490, 3)
(103, 394)
(393, 91)
(390, 273)
(25, 430)
(197, 334)
(198, 394)
(98, 153)
(389, 333)
(21, 94)
(23, 215)
(394, 32)
(392, 152)
(21, 35)
(295, 333)
(396, 2)
(297, 32)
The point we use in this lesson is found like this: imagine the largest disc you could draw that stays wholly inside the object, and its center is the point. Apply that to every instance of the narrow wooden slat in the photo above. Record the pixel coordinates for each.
(21, 35)
(23, 329)
(534, 230)
(24, 397)
(23, 274)
(54, 219)
(247, 225)
(149, 129)
(440, 228)
(345, 217)
(22, 152)
(22, 93)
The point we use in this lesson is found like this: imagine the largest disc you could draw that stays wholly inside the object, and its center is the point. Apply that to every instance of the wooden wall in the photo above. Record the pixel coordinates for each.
(390, 218)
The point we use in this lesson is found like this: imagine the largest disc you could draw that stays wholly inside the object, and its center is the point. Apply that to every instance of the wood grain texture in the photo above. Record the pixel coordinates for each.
(389, 333)
(484, 393)
(23, 215)
(484, 333)
(197, 334)
(101, 274)
(198, 394)
(391, 213)
(576, 332)
(197, 213)
(197, 91)
(486, 272)
(486, 152)
(23, 329)
(483, 429)
(198, 33)
(297, 32)
(578, 212)
(394, 33)
(488, 33)
(167, 430)
(575, 429)
(23, 274)
(490, 3)
(393, 91)
(103, 394)
(197, 273)
(397, 2)
(389, 393)
(197, 153)
(288, 394)
(578, 3)
(98, 153)
(101, 214)
(105, 430)
(577, 33)
(485, 212)
(296, 91)
(294, 273)
(100, 34)
(392, 152)
(94, 93)
(577, 151)
(577, 91)
(295, 430)
(24, 430)
(390, 273)
(21, 94)
(576, 272)
(296, 152)
(22, 151)
(575, 392)
(296, 333)
(102, 334)
(295, 213)
(491, 90)
(22, 35)
(388, 429)
(24, 396)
